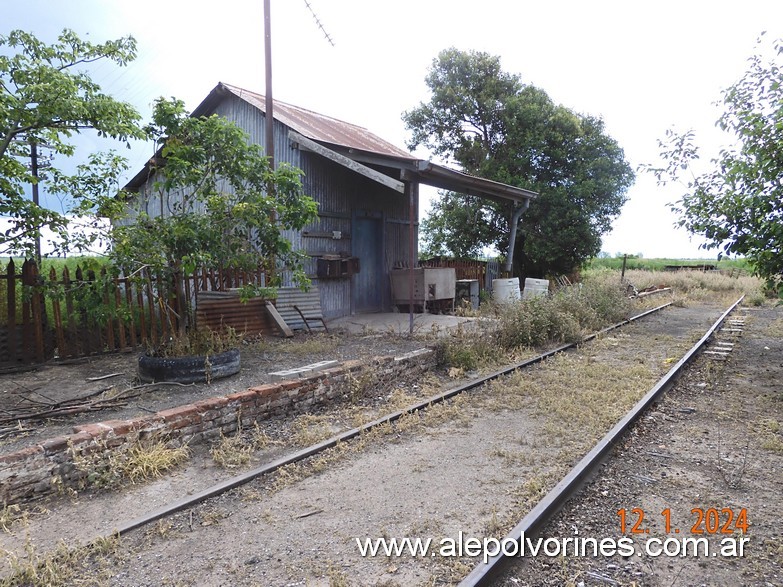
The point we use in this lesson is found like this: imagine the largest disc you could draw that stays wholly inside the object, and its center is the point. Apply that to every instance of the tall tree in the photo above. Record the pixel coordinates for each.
(493, 125)
(46, 96)
(737, 203)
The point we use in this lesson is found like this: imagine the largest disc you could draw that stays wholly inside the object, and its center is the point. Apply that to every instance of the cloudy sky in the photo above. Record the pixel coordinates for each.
(643, 66)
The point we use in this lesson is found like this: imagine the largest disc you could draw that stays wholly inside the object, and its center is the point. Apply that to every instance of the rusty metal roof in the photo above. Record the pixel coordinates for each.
(321, 128)
(357, 143)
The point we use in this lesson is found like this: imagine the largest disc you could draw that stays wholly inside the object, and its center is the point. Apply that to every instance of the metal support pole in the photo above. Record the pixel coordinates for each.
(512, 238)
(268, 115)
(413, 196)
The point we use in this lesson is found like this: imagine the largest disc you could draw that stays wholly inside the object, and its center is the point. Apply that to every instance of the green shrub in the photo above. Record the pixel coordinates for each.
(561, 318)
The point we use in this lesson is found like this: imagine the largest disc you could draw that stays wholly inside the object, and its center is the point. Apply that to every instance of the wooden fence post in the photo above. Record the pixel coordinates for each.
(13, 350)
(58, 319)
(74, 340)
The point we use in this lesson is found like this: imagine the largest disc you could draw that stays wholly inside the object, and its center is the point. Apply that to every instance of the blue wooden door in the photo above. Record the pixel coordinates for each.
(368, 247)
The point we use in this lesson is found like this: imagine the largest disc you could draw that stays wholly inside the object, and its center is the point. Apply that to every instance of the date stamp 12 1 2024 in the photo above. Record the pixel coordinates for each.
(703, 521)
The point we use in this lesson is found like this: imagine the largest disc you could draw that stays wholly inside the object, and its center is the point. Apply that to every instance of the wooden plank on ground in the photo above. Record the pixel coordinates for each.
(287, 332)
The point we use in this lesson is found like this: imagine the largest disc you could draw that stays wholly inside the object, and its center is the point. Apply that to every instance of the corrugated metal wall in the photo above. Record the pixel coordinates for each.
(342, 195)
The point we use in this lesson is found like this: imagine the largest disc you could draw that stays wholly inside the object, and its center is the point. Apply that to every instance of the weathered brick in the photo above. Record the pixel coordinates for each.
(178, 425)
(266, 390)
(354, 365)
(212, 403)
(115, 441)
(55, 445)
(178, 413)
(119, 427)
(145, 421)
(247, 396)
(289, 385)
(311, 380)
(80, 438)
(334, 371)
(21, 455)
(97, 430)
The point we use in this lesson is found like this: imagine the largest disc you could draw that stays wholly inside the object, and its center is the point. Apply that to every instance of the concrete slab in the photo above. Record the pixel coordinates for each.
(399, 323)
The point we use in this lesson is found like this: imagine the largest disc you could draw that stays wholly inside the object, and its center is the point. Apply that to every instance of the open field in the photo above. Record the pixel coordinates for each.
(659, 264)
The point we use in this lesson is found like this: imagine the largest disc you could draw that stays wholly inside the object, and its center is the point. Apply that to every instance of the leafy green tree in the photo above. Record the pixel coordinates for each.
(223, 205)
(494, 126)
(46, 97)
(737, 203)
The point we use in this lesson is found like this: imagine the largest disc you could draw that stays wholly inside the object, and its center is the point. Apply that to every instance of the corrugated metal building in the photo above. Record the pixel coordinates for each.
(366, 189)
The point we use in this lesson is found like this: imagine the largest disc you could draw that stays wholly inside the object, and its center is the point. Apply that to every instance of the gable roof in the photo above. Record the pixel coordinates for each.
(311, 124)
(359, 144)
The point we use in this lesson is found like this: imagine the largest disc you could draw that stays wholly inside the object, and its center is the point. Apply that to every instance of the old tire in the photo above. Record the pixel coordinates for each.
(189, 369)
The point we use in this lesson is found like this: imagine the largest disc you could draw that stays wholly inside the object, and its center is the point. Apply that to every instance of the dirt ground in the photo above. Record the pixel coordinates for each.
(713, 441)
(472, 465)
(54, 382)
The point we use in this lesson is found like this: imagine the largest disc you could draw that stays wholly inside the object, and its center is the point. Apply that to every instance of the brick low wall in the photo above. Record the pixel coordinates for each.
(41, 469)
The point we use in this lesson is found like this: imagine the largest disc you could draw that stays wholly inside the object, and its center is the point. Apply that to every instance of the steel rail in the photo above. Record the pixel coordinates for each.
(535, 520)
(228, 484)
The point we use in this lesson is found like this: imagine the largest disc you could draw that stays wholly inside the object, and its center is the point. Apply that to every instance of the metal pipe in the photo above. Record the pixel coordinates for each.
(512, 238)
(413, 196)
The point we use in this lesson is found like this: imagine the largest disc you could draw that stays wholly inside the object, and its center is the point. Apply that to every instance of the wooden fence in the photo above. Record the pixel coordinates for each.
(483, 271)
(63, 316)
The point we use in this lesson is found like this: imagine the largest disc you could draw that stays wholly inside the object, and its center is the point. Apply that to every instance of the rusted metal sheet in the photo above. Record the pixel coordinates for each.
(322, 128)
(308, 302)
(220, 310)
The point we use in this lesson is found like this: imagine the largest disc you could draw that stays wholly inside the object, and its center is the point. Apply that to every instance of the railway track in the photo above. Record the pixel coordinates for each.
(537, 518)
(239, 480)
(481, 575)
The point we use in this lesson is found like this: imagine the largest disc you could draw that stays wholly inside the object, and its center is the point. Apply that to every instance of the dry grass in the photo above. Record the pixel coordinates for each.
(135, 462)
(315, 344)
(66, 566)
(770, 434)
(232, 452)
(148, 461)
(9, 515)
(565, 317)
(309, 429)
(576, 397)
(313, 427)
(697, 286)
(775, 329)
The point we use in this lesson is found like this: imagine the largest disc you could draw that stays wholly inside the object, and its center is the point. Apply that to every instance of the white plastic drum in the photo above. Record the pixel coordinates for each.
(506, 290)
(535, 288)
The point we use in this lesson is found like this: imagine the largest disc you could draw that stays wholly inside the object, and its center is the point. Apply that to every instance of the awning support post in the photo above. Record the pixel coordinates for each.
(413, 196)
(512, 237)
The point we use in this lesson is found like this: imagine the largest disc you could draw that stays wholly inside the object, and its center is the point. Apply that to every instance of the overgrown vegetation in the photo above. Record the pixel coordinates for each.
(561, 318)
(64, 567)
(198, 342)
(698, 286)
(232, 452)
(135, 462)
